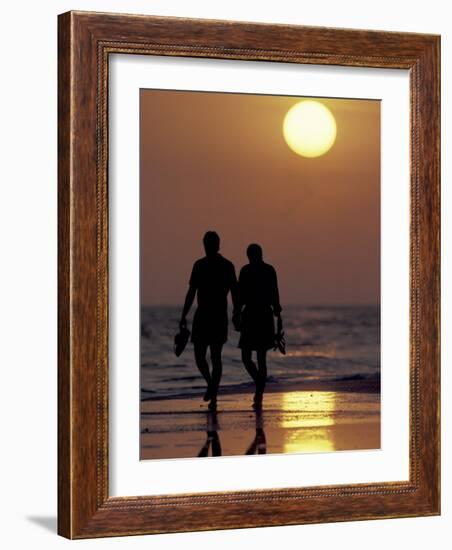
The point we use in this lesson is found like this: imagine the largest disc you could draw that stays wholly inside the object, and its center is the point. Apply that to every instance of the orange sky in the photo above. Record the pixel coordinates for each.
(215, 161)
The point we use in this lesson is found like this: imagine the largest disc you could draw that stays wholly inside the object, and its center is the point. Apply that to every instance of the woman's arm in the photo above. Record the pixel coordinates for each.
(234, 288)
(275, 301)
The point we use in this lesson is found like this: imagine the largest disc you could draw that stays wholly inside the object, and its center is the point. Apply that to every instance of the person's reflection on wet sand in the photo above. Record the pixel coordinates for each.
(259, 444)
(213, 439)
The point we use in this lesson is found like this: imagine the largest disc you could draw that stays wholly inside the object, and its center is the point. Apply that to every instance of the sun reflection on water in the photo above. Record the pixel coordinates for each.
(308, 418)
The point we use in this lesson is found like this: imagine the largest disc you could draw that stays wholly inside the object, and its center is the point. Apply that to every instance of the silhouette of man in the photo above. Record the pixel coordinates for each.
(212, 278)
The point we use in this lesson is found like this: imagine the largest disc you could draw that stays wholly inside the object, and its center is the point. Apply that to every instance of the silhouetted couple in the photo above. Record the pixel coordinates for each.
(255, 300)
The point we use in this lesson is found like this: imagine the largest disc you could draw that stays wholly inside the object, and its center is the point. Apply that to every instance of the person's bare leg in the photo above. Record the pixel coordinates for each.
(203, 366)
(262, 368)
(217, 370)
(252, 370)
(262, 377)
(250, 365)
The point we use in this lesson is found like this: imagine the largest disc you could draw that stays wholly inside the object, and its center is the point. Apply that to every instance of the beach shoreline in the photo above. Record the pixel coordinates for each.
(350, 384)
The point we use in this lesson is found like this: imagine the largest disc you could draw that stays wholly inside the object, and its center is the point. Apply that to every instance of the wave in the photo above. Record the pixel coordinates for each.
(324, 344)
(357, 383)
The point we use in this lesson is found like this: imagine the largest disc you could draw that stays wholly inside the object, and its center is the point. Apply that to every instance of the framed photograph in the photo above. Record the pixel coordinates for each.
(248, 275)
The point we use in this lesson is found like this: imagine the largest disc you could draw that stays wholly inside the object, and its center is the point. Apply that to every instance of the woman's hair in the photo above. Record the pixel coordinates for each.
(254, 253)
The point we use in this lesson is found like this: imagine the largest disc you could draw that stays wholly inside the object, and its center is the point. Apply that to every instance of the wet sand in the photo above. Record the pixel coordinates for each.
(297, 420)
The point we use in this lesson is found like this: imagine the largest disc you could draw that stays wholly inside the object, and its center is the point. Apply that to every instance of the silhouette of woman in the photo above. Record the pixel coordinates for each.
(259, 297)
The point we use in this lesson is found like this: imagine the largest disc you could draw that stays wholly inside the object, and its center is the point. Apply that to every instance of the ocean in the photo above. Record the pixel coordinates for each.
(322, 344)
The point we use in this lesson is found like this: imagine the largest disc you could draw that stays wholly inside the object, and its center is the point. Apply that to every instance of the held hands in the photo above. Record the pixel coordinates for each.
(236, 320)
(277, 311)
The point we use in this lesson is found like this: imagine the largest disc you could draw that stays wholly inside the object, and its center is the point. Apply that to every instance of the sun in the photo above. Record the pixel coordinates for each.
(309, 128)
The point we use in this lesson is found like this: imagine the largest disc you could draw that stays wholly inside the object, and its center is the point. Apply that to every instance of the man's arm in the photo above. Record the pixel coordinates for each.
(191, 293)
(189, 299)
(236, 302)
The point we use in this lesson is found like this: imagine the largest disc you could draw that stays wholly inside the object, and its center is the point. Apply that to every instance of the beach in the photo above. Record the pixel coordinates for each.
(323, 395)
(340, 416)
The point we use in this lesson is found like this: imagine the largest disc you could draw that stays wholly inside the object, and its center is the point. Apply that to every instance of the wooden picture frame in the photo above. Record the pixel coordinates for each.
(85, 42)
